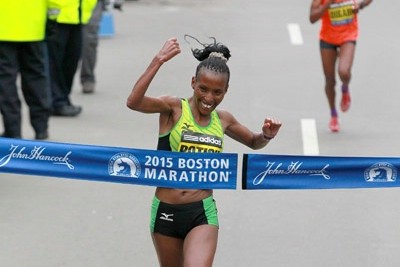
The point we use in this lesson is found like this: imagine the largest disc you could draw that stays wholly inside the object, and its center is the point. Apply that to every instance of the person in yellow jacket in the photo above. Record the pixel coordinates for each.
(23, 51)
(64, 41)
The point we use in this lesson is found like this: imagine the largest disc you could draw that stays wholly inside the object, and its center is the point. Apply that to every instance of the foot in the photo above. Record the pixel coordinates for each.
(345, 103)
(67, 111)
(334, 124)
(88, 88)
(42, 135)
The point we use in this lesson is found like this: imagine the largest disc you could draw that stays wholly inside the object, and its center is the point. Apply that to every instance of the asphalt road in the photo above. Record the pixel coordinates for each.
(47, 222)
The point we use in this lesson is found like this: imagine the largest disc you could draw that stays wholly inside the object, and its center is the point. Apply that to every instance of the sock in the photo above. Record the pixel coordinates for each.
(345, 88)
(333, 112)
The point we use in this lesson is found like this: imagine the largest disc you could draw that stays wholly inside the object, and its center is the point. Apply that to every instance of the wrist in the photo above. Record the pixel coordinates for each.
(159, 59)
(268, 138)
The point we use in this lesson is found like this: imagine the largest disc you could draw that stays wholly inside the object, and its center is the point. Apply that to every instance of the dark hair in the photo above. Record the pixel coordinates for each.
(217, 61)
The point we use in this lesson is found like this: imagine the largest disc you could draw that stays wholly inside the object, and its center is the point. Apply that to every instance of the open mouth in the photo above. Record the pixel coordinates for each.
(206, 106)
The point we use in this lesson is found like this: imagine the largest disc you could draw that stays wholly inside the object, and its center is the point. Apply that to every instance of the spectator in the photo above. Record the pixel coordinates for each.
(90, 43)
(64, 39)
(23, 51)
(89, 49)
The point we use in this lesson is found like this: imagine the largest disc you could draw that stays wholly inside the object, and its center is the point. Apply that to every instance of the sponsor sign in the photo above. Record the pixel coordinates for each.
(120, 165)
(316, 172)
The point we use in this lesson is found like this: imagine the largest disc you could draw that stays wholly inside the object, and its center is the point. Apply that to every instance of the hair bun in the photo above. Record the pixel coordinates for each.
(213, 49)
(218, 55)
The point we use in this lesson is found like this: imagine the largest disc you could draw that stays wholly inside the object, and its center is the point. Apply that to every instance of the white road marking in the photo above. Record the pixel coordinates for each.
(310, 137)
(295, 34)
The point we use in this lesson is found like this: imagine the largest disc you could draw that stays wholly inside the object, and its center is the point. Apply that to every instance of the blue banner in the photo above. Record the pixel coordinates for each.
(318, 172)
(119, 165)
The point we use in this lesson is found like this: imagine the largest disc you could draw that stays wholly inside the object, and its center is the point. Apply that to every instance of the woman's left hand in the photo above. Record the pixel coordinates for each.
(271, 127)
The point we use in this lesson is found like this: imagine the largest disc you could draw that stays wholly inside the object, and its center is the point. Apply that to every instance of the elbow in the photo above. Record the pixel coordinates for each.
(312, 20)
(314, 17)
(131, 104)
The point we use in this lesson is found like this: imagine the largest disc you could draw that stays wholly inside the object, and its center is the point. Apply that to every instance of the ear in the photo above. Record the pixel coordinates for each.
(193, 81)
(227, 86)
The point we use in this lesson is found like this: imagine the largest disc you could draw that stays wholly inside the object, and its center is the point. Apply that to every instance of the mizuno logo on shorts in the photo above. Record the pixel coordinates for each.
(166, 217)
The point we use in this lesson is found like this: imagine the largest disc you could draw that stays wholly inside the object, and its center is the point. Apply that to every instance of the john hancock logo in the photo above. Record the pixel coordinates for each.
(124, 164)
(381, 172)
(294, 168)
(37, 153)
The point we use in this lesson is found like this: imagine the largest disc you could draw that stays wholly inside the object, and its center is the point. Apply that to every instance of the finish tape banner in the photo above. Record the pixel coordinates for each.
(119, 165)
(316, 172)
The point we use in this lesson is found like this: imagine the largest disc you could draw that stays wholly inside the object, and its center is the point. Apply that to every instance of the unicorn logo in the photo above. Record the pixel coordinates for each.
(124, 164)
(381, 172)
(125, 169)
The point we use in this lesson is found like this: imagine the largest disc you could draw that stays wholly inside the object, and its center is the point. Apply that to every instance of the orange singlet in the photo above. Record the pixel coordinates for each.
(339, 23)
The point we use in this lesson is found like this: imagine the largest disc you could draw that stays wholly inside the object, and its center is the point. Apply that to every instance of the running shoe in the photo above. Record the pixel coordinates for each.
(334, 124)
(345, 103)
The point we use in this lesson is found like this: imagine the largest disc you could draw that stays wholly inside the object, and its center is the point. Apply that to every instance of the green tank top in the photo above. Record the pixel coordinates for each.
(188, 136)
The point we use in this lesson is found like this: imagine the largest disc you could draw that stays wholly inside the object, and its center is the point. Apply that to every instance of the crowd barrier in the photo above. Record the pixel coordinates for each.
(194, 170)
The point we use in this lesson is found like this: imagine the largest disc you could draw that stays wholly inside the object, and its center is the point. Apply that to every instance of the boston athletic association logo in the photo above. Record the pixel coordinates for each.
(381, 172)
(124, 164)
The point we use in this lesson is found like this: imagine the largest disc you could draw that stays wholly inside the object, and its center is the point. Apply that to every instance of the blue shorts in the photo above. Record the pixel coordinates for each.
(326, 45)
(176, 220)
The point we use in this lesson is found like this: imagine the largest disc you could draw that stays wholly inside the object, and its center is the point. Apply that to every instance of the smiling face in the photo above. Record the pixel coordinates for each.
(209, 88)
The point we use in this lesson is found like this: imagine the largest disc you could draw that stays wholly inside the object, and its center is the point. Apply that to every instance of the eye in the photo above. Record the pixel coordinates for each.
(202, 89)
(218, 92)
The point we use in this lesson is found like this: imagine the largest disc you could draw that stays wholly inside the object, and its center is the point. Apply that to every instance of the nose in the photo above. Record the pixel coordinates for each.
(208, 96)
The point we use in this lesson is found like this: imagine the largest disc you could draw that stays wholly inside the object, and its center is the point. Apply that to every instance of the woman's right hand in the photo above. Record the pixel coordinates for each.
(318, 9)
(169, 50)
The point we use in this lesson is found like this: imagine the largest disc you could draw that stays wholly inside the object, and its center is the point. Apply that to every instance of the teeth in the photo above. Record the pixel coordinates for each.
(206, 106)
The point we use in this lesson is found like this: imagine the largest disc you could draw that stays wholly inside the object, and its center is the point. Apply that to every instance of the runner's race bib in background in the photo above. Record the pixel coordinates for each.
(341, 13)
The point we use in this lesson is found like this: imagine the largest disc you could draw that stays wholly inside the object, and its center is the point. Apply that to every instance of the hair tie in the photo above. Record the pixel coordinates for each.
(218, 55)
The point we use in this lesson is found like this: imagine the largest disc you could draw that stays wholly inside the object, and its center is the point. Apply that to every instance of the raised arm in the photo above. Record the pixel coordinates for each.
(137, 99)
(239, 132)
(360, 5)
(317, 9)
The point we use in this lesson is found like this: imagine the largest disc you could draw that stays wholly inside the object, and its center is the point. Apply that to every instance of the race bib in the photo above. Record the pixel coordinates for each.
(341, 13)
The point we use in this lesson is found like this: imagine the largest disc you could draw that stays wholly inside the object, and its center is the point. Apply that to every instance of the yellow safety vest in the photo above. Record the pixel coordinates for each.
(22, 20)
(71, 11)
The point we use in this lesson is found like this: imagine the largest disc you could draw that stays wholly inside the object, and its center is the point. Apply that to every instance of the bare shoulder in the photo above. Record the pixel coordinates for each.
(172, 101)
(223, 114)
(226, 118)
